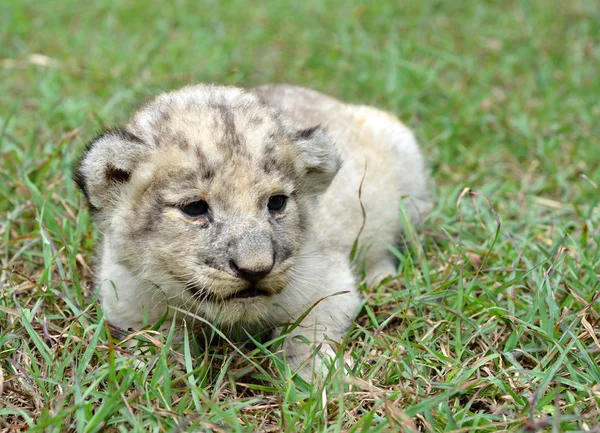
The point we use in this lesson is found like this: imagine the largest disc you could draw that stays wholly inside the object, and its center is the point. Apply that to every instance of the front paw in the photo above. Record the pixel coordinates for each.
(313, 360)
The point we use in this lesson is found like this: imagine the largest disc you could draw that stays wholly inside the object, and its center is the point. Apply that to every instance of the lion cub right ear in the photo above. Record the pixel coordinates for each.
(105, 167)
(321, 158)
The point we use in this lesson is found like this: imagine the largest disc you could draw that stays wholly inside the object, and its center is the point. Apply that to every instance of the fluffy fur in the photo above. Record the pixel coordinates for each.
(242, 263)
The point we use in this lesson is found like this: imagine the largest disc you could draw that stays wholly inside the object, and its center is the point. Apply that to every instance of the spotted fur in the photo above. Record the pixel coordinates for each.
(234, 150)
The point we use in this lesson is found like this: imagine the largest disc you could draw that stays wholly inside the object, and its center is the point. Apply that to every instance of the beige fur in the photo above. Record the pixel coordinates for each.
(234, 151)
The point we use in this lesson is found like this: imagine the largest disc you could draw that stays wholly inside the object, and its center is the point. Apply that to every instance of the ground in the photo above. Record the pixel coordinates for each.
(492, 322)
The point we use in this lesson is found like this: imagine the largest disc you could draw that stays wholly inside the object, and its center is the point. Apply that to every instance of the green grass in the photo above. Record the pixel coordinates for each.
(492, 323)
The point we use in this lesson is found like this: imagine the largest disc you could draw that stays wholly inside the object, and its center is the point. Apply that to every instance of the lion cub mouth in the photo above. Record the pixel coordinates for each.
(250, 292)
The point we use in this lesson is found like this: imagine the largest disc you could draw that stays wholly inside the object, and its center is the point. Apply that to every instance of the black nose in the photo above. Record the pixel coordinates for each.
(252, 275)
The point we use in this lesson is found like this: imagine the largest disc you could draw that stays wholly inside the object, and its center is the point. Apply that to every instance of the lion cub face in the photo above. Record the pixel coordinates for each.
(207, 193)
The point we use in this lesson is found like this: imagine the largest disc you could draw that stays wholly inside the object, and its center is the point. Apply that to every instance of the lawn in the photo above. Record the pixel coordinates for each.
(493, 321)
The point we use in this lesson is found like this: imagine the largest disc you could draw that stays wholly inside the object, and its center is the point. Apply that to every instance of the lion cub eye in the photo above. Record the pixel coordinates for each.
(277, 203)
(195, 209)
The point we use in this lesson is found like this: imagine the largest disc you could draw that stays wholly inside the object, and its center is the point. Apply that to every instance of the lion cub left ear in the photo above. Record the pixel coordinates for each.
(321, 158)
(105, 167)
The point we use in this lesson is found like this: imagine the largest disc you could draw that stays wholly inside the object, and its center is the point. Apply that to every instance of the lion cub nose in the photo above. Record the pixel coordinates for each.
(251, 273)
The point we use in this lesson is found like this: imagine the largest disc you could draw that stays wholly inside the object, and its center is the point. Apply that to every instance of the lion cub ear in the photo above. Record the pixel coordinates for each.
(321, 158)
(105, 166)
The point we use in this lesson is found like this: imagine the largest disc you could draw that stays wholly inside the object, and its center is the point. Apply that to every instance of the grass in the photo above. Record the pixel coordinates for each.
(493, 321)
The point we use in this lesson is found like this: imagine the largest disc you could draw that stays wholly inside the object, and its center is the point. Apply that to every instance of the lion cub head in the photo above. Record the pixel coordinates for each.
(207, 192)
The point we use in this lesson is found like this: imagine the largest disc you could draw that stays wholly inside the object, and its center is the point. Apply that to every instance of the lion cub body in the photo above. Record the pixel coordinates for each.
(187, 197)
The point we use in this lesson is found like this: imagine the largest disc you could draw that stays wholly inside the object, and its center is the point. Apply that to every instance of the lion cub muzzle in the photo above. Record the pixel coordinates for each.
(252, 259)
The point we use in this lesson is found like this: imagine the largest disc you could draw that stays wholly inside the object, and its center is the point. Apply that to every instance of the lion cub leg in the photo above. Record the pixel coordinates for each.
(335, 302)
(379, 264)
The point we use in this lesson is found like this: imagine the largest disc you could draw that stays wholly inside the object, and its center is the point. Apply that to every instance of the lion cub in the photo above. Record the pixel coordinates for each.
(242, 207)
